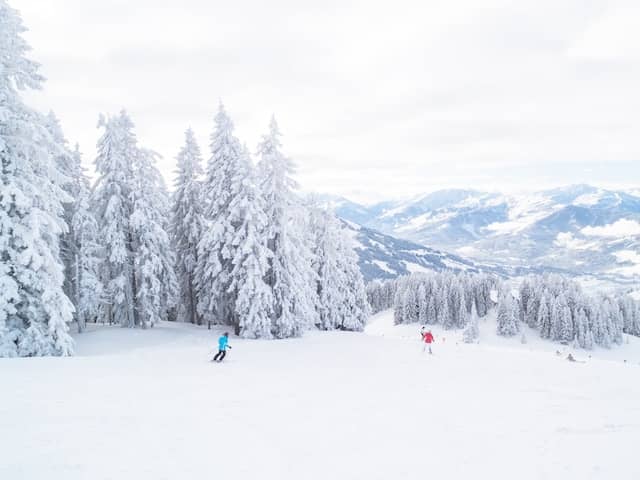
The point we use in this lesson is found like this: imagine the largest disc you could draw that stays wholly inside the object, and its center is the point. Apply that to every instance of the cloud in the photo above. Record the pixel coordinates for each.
(374, 101)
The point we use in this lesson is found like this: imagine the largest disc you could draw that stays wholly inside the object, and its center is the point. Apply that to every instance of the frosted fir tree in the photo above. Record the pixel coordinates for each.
(444, 313)
(86, 289)
(507, 314)
(330, 283)
(471, 332)
(582, 327)
(431, 310)
(79, 247)
(398, 306)
(463, 314)
(187, 226)
(226, 171)
(112, 206)
(410, 304)
(616, 321)
(525, 303)
(253, 297)
(566, 326)
(423, 313)
(34, 311)
(69, 180)
(544, 318)
(290, 276)
(560, 325)
(457, 304)
(355, 307)
(153, 257)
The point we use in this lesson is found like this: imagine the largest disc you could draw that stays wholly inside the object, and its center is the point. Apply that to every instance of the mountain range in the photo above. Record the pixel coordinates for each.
(579, 229)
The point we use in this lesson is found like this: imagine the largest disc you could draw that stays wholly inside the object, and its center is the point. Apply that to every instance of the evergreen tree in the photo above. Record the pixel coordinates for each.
(226, 172)
(356, 310)
(153, 257)
(290, 274)
(507, 314)
(253, 297)
(187, 226)
(444, 314)
(330, 279)
(544, 318)
(112, 206)
(34, 310)
(471, 331)
(423, 303)
(79, 249)
(86, 289)
(431, 310)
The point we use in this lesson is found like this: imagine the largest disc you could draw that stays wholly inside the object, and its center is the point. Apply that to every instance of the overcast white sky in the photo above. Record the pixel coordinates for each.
(376, 99)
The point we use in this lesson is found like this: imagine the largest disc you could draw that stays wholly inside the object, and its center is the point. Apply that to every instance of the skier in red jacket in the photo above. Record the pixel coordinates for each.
(427, 338)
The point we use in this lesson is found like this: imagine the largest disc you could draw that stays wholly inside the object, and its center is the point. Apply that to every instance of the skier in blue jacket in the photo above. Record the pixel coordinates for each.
(223, 344)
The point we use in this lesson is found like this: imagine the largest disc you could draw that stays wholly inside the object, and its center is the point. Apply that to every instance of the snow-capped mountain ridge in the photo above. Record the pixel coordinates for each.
(579, 228)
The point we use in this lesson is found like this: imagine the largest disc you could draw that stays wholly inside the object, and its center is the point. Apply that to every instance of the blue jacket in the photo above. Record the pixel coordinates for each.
(222, 342)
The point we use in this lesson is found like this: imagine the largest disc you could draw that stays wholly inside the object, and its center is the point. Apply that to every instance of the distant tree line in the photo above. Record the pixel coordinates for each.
(554, 306)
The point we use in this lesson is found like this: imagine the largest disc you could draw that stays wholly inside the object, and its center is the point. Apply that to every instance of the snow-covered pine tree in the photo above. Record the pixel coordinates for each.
(187, 225)
(561, 325)
(112, 207)
(355, 309)
(423, 305)
(85, 274)
(526, 295)
(330, 283)
(253, 297)
(582, 329)
(566, 325)
(431, 309)
(462, 314)
(483, 295)
(225, 173)
(290, 275)
(398, 307)
(544, 317)
(65, 166)
(507, 313)
(471, 331)
(445, 318)
(79, 249)
(34, 311)
(153, 257)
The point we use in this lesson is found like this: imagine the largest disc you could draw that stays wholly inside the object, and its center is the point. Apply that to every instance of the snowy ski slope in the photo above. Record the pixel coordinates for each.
(148, 405)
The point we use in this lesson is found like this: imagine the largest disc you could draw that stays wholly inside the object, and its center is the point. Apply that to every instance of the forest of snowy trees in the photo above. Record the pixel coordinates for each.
(556, 307)
(233, 243)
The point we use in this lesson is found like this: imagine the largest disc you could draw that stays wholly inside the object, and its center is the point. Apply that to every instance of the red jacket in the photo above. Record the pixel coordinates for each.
(427, 337)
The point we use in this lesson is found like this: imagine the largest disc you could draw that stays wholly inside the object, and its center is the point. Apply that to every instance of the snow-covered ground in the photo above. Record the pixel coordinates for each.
(149, 405)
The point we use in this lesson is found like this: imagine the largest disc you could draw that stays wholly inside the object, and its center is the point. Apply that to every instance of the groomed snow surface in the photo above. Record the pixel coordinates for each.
(149, 405)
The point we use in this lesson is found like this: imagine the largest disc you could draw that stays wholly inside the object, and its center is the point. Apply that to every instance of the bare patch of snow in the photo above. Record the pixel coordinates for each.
(384, 266)
(621, 228)
(568, 241)
(588, 199)
(524, 211)
(415, 268)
